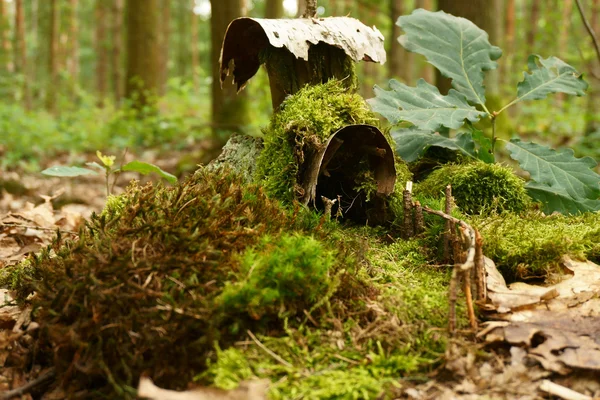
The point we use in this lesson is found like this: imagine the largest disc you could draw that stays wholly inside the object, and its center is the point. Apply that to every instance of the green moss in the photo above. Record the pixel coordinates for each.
(288, 271)
(478, 187)
(531, 245)
(305, 121)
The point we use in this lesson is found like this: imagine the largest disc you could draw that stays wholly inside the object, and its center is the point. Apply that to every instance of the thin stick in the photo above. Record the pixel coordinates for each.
(469, 300)
(589, 28)
(269, 352)
(452, 300)
(408, 215)
(448, 227)
(419, 220)
(29, 386)
(479, 268)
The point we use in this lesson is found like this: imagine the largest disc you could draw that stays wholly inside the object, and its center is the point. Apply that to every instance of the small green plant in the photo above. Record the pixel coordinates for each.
(108, 169)
(461, 51)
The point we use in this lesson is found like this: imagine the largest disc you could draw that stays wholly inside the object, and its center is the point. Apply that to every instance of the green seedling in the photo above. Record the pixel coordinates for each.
(107, 167)
(461, 51)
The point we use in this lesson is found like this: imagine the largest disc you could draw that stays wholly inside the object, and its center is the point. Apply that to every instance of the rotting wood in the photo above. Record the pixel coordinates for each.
(408, 228)
(419, 220)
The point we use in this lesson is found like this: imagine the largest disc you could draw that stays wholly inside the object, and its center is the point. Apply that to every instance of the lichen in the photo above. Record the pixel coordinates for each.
(478, 187)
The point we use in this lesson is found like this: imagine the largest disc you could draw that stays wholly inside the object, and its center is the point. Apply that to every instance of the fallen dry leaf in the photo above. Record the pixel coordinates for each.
(248, 390)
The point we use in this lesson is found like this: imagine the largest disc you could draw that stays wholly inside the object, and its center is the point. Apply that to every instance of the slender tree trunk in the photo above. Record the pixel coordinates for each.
(563, 38)
(274, 9)
(534, 16)
(427, 70)
(165, 40)
(101, 51)
(21, 51)
(229, 110)
(593, 97)
(143, 80)
(53, 58)
(509, 41)
(301, 8)
(183, 54)
(117, 42)
(5, 45)
(194, 47)
(73, 57)
(400, 61)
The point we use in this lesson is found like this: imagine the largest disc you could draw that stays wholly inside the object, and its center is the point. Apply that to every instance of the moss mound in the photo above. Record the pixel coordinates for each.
(166, 277)
(531, 245)
(478, 187)
(304, 123)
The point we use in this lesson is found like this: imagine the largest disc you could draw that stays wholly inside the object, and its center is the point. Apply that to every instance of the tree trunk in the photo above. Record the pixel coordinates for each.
(143, 79)
(165, 38)
(487, 15)
(183, 54)
(427, 70)
(229, 110)
(101, 51)
(274, 9)
(194, 47)
(73, 56)
(593, 98)
(21, 51)
(53, 58)
(563, 39)
(400, 60)
(5, 48)
(509, 42)
(117, 42)
(534, 16)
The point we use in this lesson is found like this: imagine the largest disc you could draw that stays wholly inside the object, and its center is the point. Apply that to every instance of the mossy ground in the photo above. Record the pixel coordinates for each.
(177, 274)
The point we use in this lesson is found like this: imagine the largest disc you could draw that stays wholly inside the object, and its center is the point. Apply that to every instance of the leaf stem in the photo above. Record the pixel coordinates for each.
(512, 103)
(493, 118)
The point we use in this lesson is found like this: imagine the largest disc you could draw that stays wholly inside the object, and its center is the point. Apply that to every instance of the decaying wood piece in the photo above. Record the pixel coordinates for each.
(407, 203)
(339, 38)
(419, 220)
(480, 280)
(448, 232)
(348, 140)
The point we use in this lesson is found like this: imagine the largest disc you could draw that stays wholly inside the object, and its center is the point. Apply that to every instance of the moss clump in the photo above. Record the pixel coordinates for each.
(289, 271)
(478, 187)
(531, 245)
(303, 124)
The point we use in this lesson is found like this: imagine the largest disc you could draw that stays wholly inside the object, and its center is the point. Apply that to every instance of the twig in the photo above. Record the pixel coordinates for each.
(29, 386)
(452, 300)
(479, 268)
(419, 220)
(269, 352)
(409, 229)
(448, 231)
(39, 228)
(589, 28)
(561, 391)
(469, 300)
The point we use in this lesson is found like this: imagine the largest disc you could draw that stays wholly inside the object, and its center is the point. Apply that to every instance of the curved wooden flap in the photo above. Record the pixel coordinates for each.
(246, 37)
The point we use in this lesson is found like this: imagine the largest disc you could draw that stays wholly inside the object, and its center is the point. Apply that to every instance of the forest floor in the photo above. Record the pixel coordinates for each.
(33, 207)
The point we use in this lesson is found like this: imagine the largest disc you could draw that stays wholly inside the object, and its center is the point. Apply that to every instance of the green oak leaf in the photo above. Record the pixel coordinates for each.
(411, 143)
(560, 170)
(550, 75)
(557, 199)
(145, 168)
(423, 105)
(64, 171)
(455, 46)
(484, 143)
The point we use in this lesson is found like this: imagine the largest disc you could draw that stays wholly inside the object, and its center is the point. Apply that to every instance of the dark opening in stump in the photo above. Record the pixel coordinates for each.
(355, 168)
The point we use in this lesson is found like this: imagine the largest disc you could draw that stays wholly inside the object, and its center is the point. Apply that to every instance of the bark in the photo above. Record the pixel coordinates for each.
(165, 40)
(229, 110)
(53, 57)
(509, 41)
(534, 16)
(143, 78)
(400, 61)
(21, 51)
(101, 12)
(73, 56)
(487, 15)
(563, 38)
(194, 48)
(117, 42)
(274, 9)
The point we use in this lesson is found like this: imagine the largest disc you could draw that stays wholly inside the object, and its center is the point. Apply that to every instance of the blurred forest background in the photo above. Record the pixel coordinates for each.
(78, 76)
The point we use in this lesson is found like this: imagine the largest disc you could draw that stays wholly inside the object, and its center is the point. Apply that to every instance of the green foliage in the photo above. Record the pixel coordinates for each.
(455, 46)
(461, 51)
(478, 187)
(531, 245)
(305, 119)
(289, 271)
(560, 180)
(229, 369)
